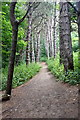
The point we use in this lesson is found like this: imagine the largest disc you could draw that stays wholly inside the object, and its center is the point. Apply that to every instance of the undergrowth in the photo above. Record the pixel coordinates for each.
(43, 59)
(22, 74)
(72, 77)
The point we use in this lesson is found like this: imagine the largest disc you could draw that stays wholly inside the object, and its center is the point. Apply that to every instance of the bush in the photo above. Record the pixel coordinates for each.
(22, 74)
(72, 77)
(43, 59)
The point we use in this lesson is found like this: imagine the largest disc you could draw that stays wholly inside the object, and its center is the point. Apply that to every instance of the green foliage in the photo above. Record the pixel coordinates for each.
(43, 56)
(20, 10)
(73, 13)
(74, 35)
(75, 47)
(22, 74)
(6, 34)
(54, 67)
(71, 77)
(75, 58)
(21, 45)
(7, 31)
(43, 59)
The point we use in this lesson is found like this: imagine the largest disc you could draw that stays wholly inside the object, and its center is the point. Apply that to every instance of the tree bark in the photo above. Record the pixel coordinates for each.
(54, 30)
(50, 36)
(61, 35)
(15, 25)
(13, 51)
(33, 45)
(52, 47)
(31, 48)
(12, 58)
(38, 48)
(66, 53)
(28, 39)
(47, 41)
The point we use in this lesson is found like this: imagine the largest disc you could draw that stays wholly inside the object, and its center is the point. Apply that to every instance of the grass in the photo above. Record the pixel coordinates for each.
(22, 74)
(72, 77)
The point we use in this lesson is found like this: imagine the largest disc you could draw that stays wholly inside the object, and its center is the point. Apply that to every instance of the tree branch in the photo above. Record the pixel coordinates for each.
(29, 7)
(61, 7)
(39, 30)
(12, 12)
(35, 5)
(72, 6)
(37, 25)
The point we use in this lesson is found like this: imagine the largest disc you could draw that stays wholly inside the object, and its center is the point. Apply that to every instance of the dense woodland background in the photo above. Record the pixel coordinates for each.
(48, 32)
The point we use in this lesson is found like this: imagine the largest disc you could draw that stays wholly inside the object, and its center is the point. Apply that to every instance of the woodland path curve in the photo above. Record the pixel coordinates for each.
(42, 97)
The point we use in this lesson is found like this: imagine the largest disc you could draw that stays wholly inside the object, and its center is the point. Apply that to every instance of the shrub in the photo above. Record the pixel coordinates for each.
(43, 59)
(72, 77)
(22, 74)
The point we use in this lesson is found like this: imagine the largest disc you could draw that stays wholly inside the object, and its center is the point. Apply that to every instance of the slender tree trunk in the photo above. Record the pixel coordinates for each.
(50, 36)
(61, 47)
(47, 42)
(33, 45)
(12, 58)
(38, 48)
(45, 39)
(28, 39)
(57, 31)
(66, 54)
(52, 47)
(49, 48)
(54, 30)
(31, 48)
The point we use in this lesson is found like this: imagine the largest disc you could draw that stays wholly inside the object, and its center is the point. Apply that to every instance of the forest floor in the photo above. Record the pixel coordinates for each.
(42, 97)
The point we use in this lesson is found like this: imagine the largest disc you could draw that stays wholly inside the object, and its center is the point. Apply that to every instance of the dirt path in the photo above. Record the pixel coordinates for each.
(42, 97)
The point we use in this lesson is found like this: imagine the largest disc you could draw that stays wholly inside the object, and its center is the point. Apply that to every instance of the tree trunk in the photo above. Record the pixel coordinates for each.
(50, 37)
(65, 38)
(61, 36)
(31, 48)
(47, 41)
(33, 45)
(52, 47)
(54, 30)
(15, 25)
(12, 58)
(28, 39)
(38, 48)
